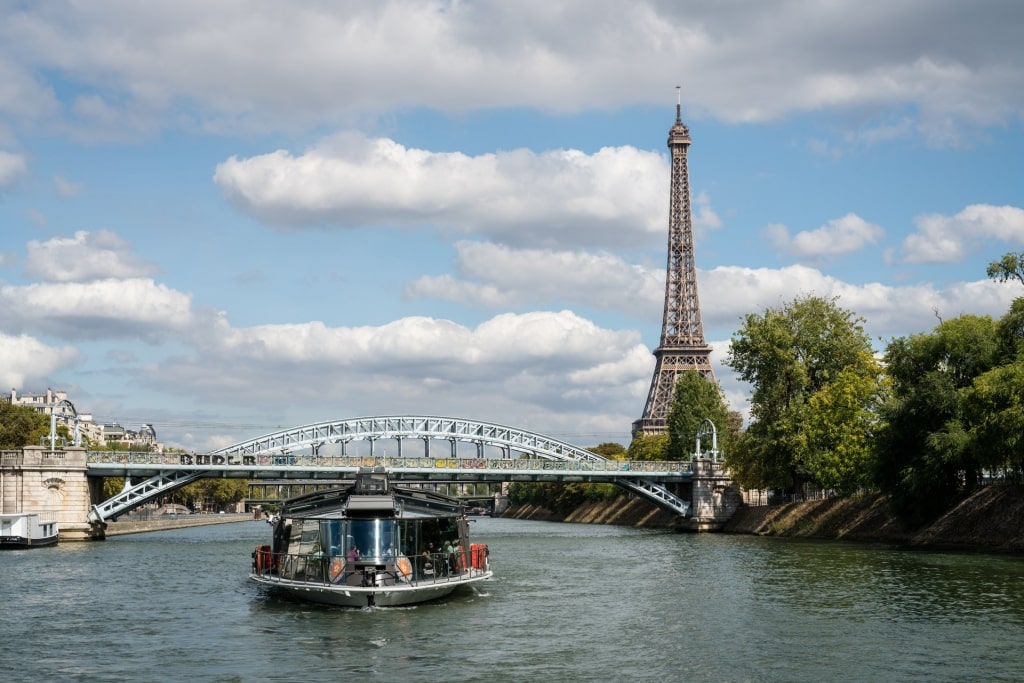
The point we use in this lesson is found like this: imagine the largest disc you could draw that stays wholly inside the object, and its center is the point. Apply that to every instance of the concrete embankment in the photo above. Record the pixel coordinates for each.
(623, 511)
(177, 522)
(991, 520)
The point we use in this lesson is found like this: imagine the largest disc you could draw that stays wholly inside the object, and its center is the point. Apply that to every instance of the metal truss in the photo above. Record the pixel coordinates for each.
(136, 495)
(657, 494)
(400, 427)
(274, 455)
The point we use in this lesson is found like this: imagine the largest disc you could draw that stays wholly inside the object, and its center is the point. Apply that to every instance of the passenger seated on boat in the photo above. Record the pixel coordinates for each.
(353, 554)
(426, 562)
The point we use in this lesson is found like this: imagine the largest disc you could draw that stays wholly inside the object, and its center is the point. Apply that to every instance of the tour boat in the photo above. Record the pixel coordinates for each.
(25, 530)
(370, 544)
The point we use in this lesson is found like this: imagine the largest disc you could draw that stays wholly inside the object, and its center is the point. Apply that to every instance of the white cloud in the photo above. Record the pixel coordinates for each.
(12, 167)
(946, 239)
(614, 196)
(526, 369)
(704, 217)
(730, 292)
(220, 66)
(498, 276)
(65, 188)
(26, 359)
(838, 236)
(84, 257)
(101, 309)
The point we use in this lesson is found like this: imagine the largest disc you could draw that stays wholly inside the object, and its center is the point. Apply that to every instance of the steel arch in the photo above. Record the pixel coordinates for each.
(410, 427)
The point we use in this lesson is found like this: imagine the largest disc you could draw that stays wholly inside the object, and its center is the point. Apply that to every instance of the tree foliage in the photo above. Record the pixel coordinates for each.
(21, 426)
(649, 447)
(611, 450)
(695, 400)
(1009, 267)
(926, 452)
(212, 492)
(814, 382)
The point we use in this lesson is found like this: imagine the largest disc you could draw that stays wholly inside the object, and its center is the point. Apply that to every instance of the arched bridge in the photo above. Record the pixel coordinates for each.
(411, 448)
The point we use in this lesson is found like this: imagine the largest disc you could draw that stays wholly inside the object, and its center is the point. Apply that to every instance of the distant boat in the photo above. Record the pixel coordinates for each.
(25, 530)
(370, 544)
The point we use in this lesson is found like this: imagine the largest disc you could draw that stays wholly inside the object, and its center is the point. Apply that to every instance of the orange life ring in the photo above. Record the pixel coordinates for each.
(404, 567)
(337, 565)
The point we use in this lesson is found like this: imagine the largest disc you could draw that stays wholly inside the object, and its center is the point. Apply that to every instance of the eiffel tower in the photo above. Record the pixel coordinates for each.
(682, 346)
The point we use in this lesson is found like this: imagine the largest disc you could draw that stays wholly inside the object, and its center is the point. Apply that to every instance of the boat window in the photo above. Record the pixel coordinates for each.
(333, 534)
(375, 539)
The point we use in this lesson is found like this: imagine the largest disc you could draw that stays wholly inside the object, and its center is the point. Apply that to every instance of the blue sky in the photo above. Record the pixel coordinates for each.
(224, 218)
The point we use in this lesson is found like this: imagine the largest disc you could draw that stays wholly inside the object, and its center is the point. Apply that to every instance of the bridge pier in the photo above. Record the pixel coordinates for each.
(715, 498)
(54, 484)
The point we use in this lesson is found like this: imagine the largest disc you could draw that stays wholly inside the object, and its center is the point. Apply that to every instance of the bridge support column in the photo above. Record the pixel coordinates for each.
(52, 483)
(715, 498)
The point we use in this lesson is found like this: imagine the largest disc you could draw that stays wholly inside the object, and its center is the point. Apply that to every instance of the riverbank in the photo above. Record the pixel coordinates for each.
(991, 520)
(176, 522)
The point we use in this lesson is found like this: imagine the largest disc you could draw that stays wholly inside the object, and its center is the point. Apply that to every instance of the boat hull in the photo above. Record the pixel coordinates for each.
(22, 542)
(25, 530)
(372, 596)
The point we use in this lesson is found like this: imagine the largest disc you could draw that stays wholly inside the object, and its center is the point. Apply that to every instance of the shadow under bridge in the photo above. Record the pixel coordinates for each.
(411, 448)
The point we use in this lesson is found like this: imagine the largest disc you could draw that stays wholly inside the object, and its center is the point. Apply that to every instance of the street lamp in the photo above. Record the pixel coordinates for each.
(707, 427)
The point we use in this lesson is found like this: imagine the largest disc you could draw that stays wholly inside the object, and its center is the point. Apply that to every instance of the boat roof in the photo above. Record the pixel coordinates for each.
(371, 496)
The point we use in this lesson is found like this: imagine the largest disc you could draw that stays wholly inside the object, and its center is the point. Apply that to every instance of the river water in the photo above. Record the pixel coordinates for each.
(569, 602)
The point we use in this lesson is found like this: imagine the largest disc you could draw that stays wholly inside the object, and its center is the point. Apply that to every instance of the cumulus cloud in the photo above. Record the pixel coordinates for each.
(12, 167)
(744, 62)
(947, 239)
(730, 292)
(613, 196)
(838, 236)
(498, 276)
(26, 359)
(510, 368)
(86, 256)
(101, 309)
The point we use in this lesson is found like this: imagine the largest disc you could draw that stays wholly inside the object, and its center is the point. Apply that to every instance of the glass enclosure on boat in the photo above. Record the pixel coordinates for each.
(432, 544)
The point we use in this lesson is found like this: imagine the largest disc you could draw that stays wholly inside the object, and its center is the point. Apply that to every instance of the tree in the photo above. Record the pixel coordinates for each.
(610, 450)
(813, 376)
(926, 456)
(21, 426)
(649, 447)
(841, 420)
(1009, 267)
(214, 492)
(695, 400)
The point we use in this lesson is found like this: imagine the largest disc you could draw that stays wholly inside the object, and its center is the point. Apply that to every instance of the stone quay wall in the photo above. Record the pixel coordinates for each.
(51, 483)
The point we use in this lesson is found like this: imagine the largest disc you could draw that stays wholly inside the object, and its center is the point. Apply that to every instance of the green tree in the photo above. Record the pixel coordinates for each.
(842, 417)
(610, 450)
(812, 372)
(649, 447)
(926, 456)
(21, 426)
(695, 399)
(1009, 267)
(214, 492)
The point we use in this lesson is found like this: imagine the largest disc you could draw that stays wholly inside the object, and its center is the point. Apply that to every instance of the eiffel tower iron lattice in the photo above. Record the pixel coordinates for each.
(682, 347)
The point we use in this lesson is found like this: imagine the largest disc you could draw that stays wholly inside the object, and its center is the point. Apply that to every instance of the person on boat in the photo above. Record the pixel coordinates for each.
(427, 560)
(449, 557)
(353, 554)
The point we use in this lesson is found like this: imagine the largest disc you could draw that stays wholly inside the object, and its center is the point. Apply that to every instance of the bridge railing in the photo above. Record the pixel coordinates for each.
(190, 460)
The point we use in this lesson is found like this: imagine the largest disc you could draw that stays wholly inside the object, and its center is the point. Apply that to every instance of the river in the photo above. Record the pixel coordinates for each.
(569, 602)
